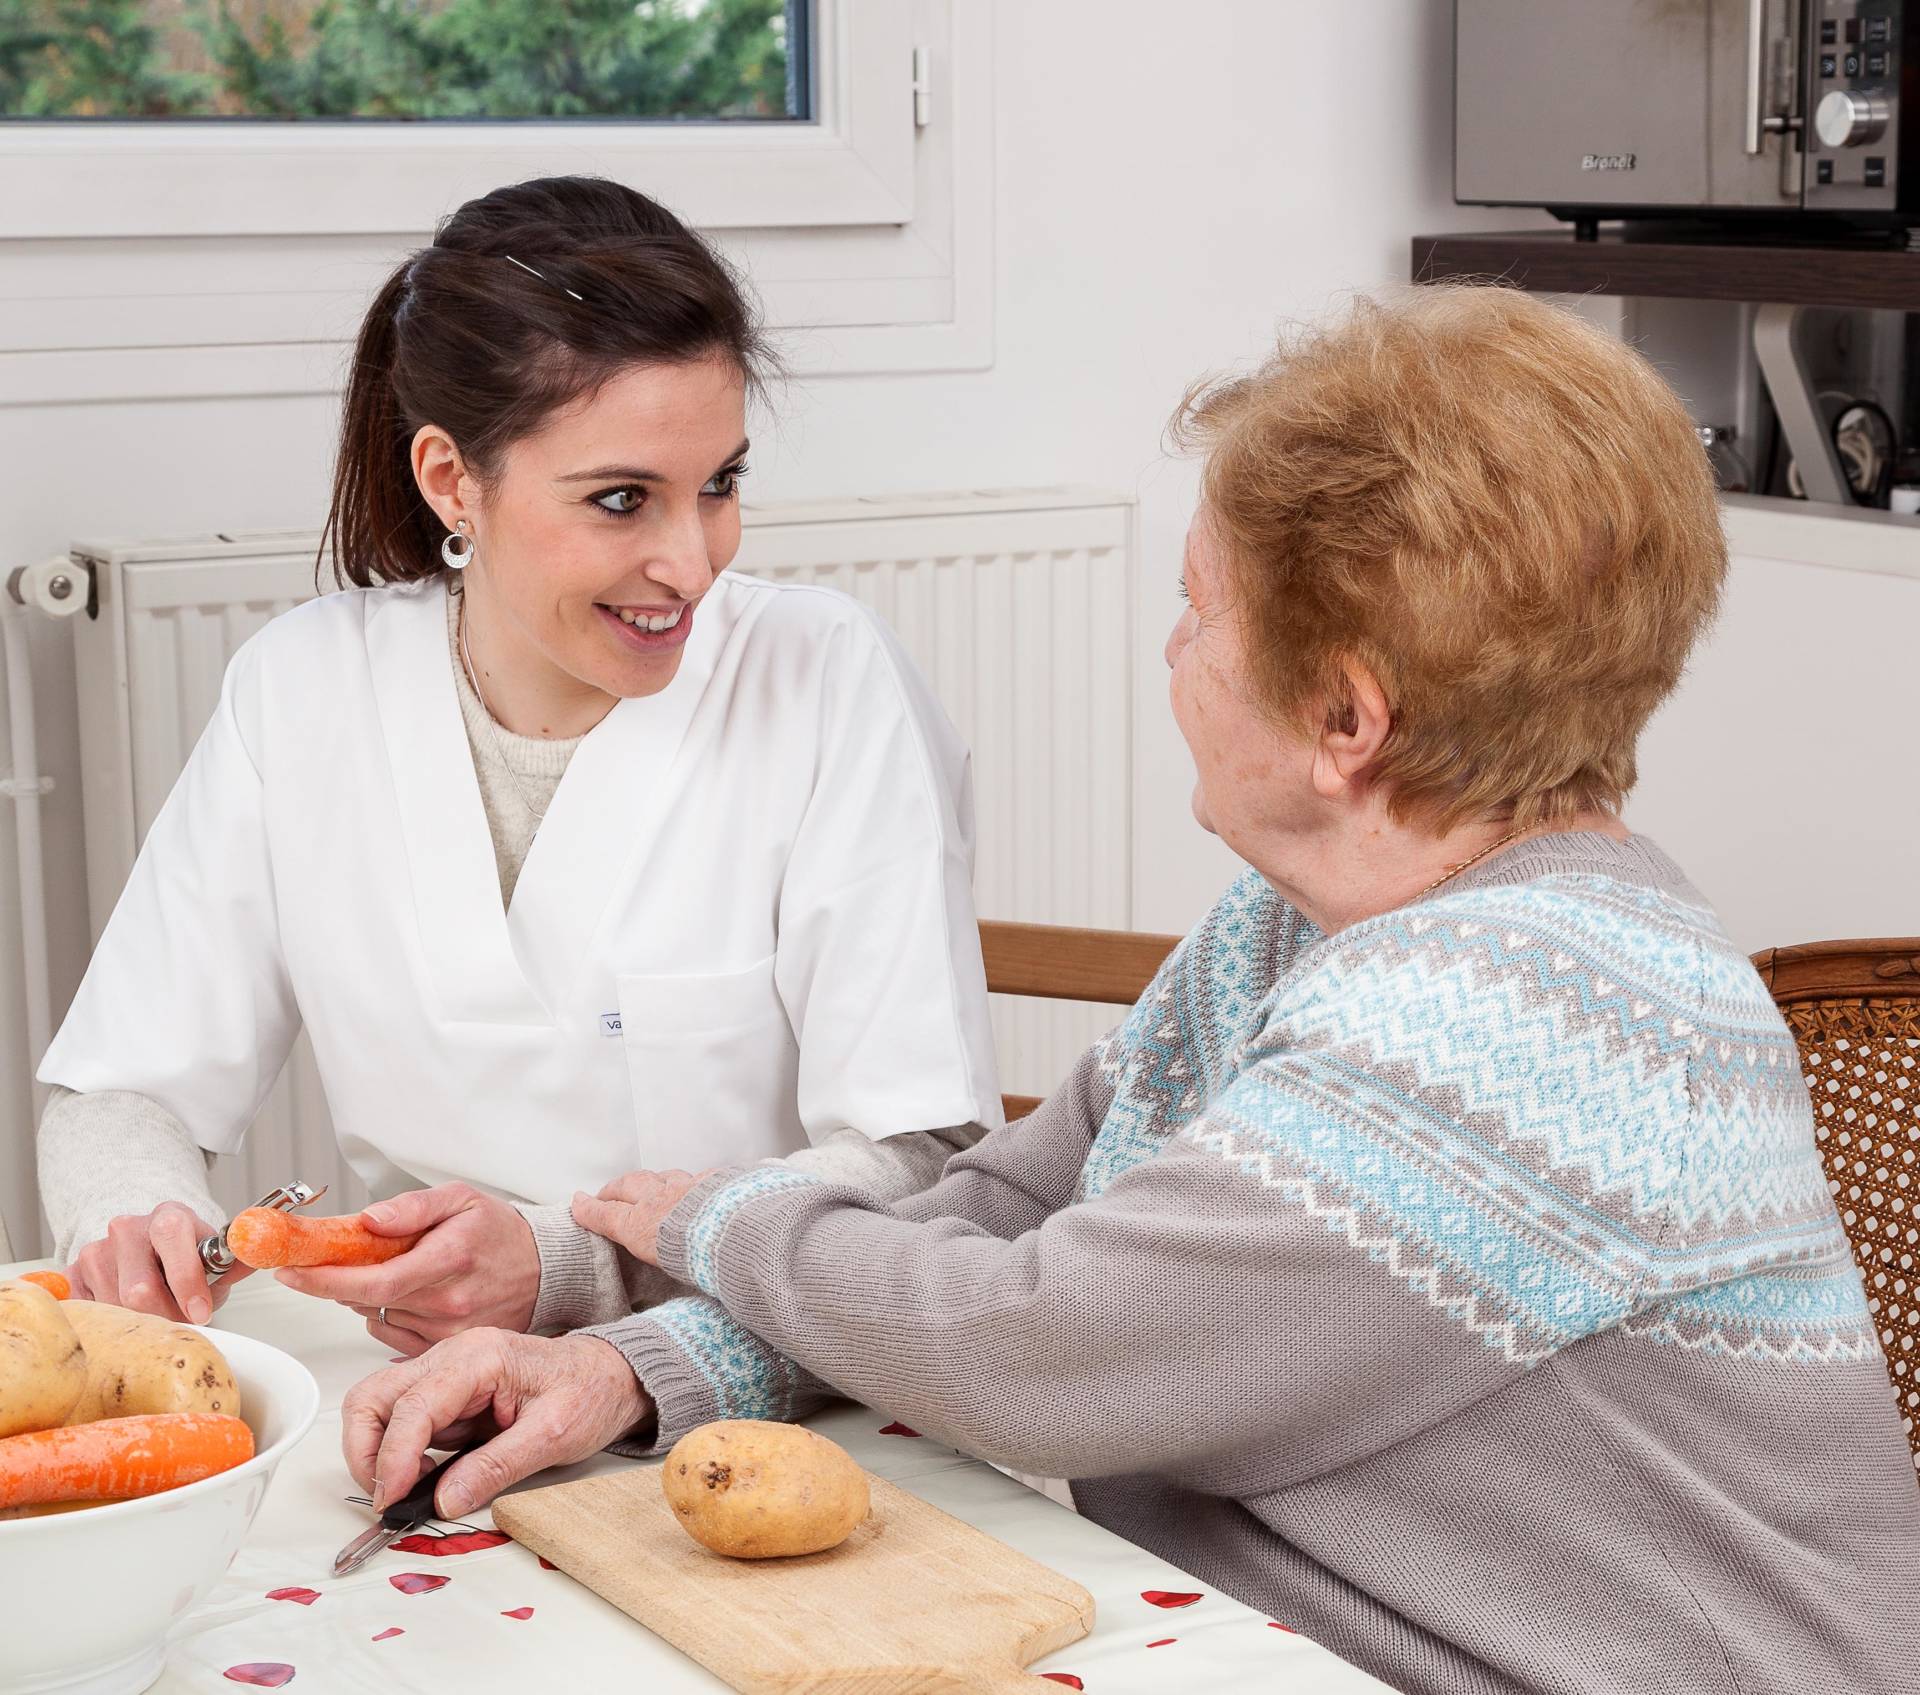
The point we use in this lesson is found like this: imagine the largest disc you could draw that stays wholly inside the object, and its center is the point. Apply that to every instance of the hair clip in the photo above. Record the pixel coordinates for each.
(547, 280)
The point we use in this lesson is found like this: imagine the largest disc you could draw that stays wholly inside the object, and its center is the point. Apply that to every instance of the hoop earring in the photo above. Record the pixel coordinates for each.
(458, 558)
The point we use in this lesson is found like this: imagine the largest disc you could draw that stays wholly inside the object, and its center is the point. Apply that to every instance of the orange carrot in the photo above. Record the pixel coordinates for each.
(54, 1282)
(261, 1237)
(116, 1459)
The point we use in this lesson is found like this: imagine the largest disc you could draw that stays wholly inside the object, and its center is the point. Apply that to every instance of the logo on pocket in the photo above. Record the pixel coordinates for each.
(609, 1023)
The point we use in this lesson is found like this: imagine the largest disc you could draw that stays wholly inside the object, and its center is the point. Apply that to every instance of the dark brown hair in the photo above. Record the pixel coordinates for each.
(529, 298)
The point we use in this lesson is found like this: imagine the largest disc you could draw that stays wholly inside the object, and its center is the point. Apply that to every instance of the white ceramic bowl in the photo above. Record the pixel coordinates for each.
(87, 1598)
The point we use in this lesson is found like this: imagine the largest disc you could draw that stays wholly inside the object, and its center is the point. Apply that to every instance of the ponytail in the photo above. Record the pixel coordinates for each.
(378, 527)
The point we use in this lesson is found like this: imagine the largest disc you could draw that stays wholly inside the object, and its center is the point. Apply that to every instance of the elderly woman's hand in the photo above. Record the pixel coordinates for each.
(533, 1401)
(629, 1210)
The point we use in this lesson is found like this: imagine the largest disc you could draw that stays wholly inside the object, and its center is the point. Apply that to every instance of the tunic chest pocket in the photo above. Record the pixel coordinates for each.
(714, 1068)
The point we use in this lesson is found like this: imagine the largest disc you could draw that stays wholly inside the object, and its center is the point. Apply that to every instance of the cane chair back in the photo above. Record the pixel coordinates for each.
(1854, 1010)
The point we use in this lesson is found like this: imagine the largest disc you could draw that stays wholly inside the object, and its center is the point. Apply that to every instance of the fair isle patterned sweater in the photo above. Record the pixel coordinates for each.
(1461, 1289)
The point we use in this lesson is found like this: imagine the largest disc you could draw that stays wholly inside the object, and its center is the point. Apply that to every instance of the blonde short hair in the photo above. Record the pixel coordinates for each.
(1501, 511)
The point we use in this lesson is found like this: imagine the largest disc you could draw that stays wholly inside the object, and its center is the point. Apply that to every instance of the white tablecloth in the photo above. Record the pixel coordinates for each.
(492, 1618)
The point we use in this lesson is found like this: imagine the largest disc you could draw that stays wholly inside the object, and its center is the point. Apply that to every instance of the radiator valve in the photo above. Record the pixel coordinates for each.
(57, 586)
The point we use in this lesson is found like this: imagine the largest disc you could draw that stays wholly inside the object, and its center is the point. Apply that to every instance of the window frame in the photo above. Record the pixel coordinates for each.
(850, 165)
(185, 318)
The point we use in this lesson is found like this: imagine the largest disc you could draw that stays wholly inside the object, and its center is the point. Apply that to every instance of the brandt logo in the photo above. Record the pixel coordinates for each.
(1607, 162)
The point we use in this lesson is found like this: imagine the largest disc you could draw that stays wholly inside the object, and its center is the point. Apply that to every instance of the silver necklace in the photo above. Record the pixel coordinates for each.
(537, 814)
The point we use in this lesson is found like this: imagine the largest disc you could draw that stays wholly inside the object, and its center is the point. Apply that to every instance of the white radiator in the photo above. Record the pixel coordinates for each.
(1015, 606)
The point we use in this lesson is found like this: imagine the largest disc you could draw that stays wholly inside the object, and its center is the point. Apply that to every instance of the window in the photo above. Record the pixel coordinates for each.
(848, 162)
(209, 255)
(374, 60)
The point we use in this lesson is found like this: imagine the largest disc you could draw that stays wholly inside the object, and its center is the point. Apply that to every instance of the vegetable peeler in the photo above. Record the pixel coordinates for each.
(218, 1258)
(412, 1510)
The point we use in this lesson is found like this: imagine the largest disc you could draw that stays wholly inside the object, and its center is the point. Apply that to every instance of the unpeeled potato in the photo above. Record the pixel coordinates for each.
(758, 1491)
(43, 1372)
(137, 1363)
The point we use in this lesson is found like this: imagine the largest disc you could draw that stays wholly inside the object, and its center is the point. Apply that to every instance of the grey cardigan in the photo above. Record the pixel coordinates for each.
(1462, 1289)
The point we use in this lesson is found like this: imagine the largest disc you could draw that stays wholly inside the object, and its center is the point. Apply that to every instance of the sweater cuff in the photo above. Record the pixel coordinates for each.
(683, 1396)
(580, 1279)
(688, 1233)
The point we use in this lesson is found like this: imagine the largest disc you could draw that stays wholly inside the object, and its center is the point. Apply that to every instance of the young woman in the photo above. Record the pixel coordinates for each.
(570, 852)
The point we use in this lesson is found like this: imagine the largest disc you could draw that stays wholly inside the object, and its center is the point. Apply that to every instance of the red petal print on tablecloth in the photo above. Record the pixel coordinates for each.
(546, 1564)
(1271, 1625)
(262, 1674)
(518, 1612)
(1164, 1642)
(418, 1582)
(392, 1630)
(457, 1542)
(1170, 1597)
(306, 1597)
(898, 1430)
(1065, 1677)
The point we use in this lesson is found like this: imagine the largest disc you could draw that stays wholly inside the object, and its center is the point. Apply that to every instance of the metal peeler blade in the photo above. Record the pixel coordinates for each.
(218, 1258)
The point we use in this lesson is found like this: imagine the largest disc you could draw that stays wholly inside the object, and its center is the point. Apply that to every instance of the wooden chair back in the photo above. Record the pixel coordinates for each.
(1854, 1010)
(1058, 962)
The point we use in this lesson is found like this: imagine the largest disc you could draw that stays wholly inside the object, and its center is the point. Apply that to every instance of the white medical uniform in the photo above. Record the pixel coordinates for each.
(746, 921)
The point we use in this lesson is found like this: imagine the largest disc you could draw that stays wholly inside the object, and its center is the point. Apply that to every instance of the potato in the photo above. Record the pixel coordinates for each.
(43, 1372)
(758, 1491)
(137, 1363)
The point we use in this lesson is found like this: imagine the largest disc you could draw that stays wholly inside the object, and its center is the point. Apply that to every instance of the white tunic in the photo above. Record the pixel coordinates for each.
(746, 921)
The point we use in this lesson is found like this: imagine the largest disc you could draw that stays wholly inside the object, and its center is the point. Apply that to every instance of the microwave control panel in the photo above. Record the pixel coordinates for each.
(1857, 58)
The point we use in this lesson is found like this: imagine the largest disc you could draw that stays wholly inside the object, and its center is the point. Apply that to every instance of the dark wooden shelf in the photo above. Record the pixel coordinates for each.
(1552, 261)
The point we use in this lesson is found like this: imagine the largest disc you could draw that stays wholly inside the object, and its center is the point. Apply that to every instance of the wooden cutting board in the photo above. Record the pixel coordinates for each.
(914, 1602)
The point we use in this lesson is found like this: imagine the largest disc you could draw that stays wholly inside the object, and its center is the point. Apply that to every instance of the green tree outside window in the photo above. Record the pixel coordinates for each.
(462, 59)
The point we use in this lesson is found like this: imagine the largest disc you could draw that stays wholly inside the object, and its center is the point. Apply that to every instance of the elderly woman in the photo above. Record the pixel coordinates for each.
(1437, 1257)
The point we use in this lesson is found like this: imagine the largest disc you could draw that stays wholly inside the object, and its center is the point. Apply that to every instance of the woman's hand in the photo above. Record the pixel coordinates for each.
(630, 1210)
(534, 1401)
(150, 1262)
(475, 1265)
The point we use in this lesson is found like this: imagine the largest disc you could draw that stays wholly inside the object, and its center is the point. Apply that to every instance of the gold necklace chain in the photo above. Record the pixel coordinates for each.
(537, 814)
(1486, 852)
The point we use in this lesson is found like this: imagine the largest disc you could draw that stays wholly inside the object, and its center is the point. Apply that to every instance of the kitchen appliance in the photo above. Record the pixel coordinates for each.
(1793, 112)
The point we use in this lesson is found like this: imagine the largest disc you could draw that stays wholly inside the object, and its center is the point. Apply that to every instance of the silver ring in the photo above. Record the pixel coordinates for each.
(383, 1318)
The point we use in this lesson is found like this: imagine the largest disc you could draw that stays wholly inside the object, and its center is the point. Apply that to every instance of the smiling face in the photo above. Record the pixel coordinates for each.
(597, 539)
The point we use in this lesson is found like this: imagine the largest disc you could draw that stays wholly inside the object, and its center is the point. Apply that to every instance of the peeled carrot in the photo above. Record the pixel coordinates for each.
(117, 1459)
(54, 1282)
(261, 1237)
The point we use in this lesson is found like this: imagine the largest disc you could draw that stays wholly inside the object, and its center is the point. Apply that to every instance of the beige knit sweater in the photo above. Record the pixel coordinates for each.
(115, 1152)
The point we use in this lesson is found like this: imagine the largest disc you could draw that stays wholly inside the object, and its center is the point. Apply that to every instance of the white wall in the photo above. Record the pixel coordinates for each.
(1785, 773)
(1172, 183)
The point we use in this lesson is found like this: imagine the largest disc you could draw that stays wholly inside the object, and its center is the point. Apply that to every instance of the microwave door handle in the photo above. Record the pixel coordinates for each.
(1756, 44)
(1761, 123)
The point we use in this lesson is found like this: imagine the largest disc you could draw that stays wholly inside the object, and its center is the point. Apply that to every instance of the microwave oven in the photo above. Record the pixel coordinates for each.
(1795, 111)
